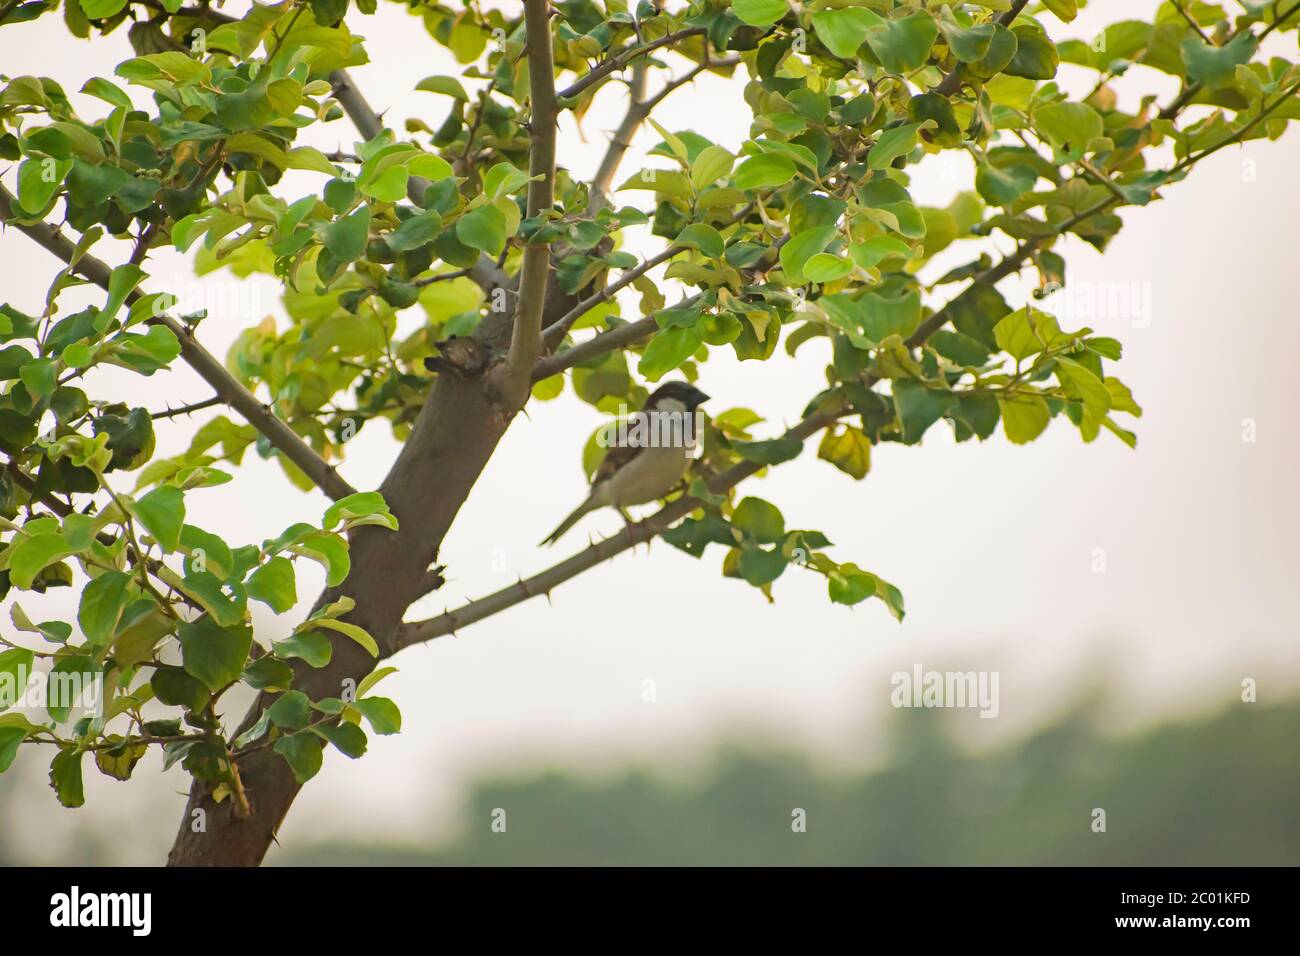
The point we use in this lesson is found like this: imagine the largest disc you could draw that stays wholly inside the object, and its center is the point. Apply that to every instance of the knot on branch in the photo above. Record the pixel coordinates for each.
(462, 356)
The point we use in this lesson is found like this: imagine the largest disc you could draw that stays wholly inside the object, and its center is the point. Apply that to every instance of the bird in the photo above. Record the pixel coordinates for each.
(647, 458)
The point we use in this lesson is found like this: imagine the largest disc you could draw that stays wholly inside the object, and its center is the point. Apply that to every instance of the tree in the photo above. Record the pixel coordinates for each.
(809, 232)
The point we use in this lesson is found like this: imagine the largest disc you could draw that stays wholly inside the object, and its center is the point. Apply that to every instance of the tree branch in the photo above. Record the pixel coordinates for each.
(603, 181)
(369, 124)
(617, 62)
(556, 331)
(259, 415)
(451, 621)
(512, 379)
(637, 110)
(616, 338)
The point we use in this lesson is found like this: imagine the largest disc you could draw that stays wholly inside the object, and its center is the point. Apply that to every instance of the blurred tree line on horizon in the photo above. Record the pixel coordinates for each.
(1219, 789)
(1216, 790)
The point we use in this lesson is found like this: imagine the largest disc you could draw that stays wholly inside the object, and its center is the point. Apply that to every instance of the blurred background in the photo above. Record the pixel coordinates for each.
(658, 713)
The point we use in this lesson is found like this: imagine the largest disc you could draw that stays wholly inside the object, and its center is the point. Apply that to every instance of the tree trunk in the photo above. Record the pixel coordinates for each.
(452, 440)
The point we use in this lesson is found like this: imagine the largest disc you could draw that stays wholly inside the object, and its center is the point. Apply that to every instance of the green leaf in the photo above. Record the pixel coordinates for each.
(291, 711)
(1216, 66)
(759, 567)
(415, 232)
(1002, 47)
(1081, 382)
(267, 673)
(702, 237)
(825, 267)
(761, 519)
(121, 282)
(359, 508)
(382, 713)
(15, 668)
(695, 534)
(303, 753)
(328, 12)
(346, 238)
(759, 13)
(1024, 417)
(387, 185)
(354, 631)
(710, 165)
(919, 407)
(119, 762)
(173, 686)
(40, 376)
(842, 31)
(59, 705)
(32, 554)
(206, 552)
(848, 450)
(1065, 10)
(214, 654)
(38, 180)
(446, 85)
(765, 171)
(771, 452)
(162, 512)
(504, 179)
(958, 348)
(484, 229)
(101, 9)
(332, 552)
(373, 678)
(1025, 332)
(102, 603)
(667, 350)
(65, 777)
(979, 413)
(10, 738)
(871, 252)
(1003, 185)
(312, 647)
(892, 144)
(850, 585)
(1069, 127)
(274, 584)
(348, 738)
(967, 45)
(802, 247)
(903, 45)
(1036, 57)
(882, 316)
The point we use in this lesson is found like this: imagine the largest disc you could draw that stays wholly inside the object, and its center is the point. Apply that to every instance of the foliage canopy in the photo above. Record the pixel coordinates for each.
(518, 268)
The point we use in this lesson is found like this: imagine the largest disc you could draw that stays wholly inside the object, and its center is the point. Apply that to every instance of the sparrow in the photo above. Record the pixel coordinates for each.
(659, 444)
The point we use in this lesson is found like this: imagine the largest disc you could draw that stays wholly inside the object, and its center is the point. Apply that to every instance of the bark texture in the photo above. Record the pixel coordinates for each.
(453, 438)
(479, 388)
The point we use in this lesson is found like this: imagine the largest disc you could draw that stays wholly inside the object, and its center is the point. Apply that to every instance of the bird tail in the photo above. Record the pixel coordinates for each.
(570, 521)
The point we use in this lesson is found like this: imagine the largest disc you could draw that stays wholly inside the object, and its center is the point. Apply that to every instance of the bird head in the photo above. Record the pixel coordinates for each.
(669, 394)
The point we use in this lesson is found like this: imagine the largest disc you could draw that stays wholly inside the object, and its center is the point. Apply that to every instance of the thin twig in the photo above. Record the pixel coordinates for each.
(622, 59)
(187, 409)
(542, 583)
(209, 368)
(1178, 5)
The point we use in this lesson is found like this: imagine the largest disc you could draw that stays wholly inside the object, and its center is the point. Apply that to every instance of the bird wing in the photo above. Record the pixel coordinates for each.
(615, 458)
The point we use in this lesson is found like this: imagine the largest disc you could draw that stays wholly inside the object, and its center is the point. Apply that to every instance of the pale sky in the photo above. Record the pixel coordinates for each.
(994, 546)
